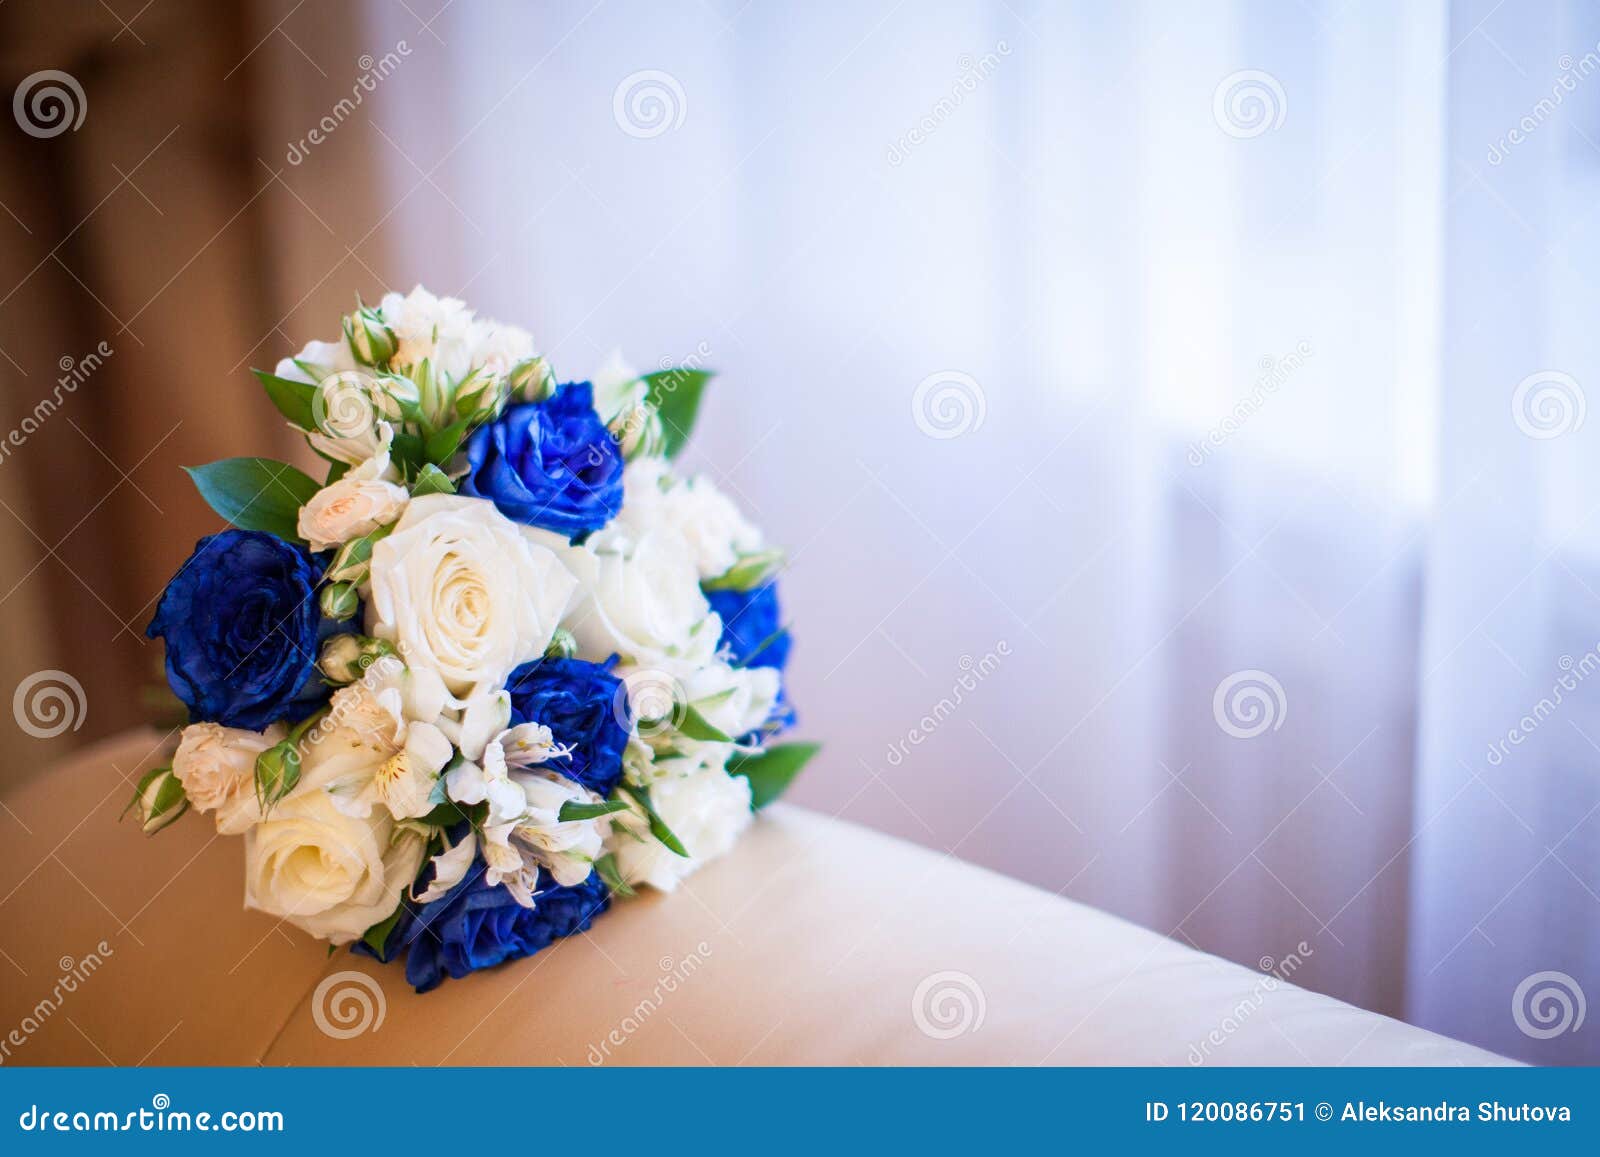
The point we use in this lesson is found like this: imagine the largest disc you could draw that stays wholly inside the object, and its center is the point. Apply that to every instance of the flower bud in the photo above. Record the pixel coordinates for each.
(277, 772)
(398, 398)
(354, 561)
(345, 658)
(639, 434)
(531, 380)
(479, 395)
(157, 800)
(562, 645)
(371, 340)
(339, 601)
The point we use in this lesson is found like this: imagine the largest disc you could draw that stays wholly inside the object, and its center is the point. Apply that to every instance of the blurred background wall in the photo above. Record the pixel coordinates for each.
(1175, 412)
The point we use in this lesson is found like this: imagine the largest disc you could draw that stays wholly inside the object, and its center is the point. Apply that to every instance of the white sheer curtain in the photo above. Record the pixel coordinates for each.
(1233, 307)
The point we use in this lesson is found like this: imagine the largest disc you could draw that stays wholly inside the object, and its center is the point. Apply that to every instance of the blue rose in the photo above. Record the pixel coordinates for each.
(242, 628)
(753, 635)
(477, 926)
(551, 464)
(577, 701)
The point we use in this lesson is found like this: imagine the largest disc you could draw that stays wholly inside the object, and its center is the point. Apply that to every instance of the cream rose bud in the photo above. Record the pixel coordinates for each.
(332, 874)
(707, 811)
(641, 599)
(348, 509)
(217, 767)
(463, 591)
(618, 388)
(713, 527)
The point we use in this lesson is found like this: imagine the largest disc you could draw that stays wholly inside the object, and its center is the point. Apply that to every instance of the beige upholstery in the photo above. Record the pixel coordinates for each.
(810, 944)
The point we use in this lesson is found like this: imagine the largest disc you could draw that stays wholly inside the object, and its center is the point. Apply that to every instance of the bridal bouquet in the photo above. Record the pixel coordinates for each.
(501, 664)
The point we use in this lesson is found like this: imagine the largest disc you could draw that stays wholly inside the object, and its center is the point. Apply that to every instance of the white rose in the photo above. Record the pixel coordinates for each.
(707, 811)
(641, 598)
(217, 767)
(436, 328)
(332, 874)
(734, 700)
(497, 347)
(717, 533)
(355, 505)
(461, 590)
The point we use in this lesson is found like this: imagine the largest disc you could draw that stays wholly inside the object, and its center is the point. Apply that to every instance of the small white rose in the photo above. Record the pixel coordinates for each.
(217, 767)
(734, 700)
(716, 532)
(350, 508)
(436, 328)
(641, 599)
(707, 811)
(462, 590)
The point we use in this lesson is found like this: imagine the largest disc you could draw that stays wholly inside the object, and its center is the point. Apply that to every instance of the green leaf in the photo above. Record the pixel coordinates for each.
(675, 396)
(256, 493)
(658, 826)
(441, 445)
(772, 770)
(450, 813)
(606, 865)
(292, 398)
(695, 726)
(432, 480)
(378, 935)
(408, 452)
(573, 810)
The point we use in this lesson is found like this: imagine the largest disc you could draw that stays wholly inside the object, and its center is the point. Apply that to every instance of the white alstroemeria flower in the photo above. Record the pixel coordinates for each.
(707, 811)
(379, 743)
(366, 498)
(436, 328)
(640, 598)
(654, 499)
(462, 590)
(488, 782)
(217, 767)
(514, 851)
(473, 725)
(450, 867)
